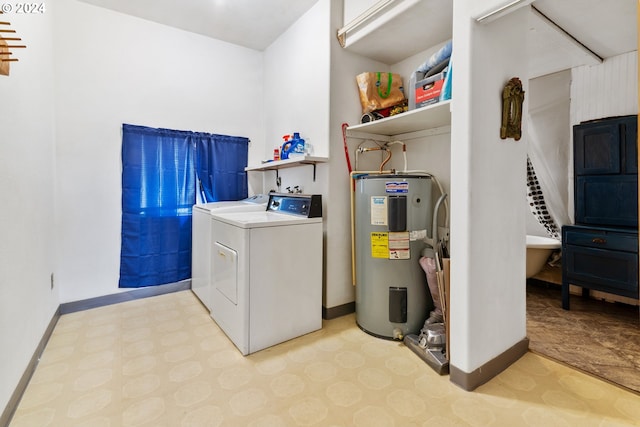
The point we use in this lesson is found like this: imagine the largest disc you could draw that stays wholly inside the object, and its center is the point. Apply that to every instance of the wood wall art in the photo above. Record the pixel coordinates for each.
(6, 54)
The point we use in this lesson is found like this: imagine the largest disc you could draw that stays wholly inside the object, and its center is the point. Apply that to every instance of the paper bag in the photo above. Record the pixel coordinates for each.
(379, 90)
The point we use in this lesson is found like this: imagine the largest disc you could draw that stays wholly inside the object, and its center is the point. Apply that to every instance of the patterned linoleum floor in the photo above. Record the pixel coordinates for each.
(162, 361)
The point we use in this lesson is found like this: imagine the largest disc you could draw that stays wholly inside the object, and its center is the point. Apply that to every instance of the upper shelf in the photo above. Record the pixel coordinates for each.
(394, 30)
(289, 163)
(429, 117)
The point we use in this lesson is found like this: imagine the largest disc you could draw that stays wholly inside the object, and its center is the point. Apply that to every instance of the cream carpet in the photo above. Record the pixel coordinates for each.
(162, 361)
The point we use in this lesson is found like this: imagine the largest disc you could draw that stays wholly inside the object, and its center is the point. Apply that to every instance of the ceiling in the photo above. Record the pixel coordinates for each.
(251, 23)
(606, 28)
(569, 33)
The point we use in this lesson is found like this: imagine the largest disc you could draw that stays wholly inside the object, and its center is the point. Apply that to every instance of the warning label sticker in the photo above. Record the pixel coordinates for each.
(399, 245)
(396, 187)
(379, 210)
(380, 245)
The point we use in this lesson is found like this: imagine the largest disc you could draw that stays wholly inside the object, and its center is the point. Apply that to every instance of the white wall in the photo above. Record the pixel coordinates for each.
(297, 80)
(599, 91)
(487, 175)
(27, 174)
(345, 108)
(112, 69)
(605, 90)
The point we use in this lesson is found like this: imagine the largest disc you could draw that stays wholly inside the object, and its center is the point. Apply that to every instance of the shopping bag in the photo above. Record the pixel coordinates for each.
(379, 90)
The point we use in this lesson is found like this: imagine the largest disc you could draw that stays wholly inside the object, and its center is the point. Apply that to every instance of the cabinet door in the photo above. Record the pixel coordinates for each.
(629, 133)
(597, 148)
(607, 200)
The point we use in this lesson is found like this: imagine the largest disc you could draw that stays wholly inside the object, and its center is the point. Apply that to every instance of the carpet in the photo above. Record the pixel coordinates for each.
(597, 337)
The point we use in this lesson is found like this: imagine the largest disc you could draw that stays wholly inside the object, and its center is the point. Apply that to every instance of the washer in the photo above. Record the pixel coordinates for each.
(201, 240)
(267, 272)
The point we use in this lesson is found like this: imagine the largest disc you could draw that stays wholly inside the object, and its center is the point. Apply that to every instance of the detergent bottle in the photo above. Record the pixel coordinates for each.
(296, 146)
(284, 150)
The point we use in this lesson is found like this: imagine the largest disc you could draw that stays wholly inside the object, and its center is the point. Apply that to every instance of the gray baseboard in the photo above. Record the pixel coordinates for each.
(151, 291)
(338, 311)
(470, 381)
(72, 307)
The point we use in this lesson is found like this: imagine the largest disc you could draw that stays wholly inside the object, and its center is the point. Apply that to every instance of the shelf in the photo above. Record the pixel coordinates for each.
(399, 29)
(289, 163)
(430, 117)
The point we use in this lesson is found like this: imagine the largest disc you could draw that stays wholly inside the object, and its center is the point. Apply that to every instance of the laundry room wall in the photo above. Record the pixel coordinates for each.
(488, 313)
(297, 81)
(110, 69)
(27, 175)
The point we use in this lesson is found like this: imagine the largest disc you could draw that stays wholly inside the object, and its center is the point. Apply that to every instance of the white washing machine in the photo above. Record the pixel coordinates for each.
(267, 272)
(201, 240)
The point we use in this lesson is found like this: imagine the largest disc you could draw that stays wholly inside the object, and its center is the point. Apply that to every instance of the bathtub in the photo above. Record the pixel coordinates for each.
(538, 251)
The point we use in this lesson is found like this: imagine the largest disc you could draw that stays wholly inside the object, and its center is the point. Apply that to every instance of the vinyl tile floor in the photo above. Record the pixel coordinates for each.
(596, 336)
(162, 361)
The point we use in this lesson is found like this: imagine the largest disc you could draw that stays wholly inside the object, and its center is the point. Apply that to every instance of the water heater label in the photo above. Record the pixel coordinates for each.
(379, 210)
(396, 187)
(399, 245)
(380, 245)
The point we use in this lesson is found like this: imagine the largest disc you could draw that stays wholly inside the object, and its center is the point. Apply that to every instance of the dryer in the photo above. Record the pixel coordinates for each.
(267, 272)
(201, 240)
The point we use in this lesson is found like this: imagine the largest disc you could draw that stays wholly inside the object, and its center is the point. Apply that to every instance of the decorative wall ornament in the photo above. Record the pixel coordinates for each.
(5, 48)
(512, 99)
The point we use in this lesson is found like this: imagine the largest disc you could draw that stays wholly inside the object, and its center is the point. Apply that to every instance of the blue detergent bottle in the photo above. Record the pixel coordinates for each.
(297, 146)
(284, 149)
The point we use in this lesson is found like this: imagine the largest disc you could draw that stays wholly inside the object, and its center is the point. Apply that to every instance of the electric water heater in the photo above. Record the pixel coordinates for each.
(393, 214)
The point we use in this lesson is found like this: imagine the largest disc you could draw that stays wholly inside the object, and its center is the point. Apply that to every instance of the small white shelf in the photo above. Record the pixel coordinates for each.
(430, 117)
(289, 163)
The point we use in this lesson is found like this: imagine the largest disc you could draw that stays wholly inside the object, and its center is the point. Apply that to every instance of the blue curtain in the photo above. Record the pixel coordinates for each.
(220, 166)
(158, 192)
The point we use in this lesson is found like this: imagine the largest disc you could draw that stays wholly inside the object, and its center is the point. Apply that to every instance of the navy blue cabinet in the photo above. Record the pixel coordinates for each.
(606, 172)
(600, 252)
(600, 258)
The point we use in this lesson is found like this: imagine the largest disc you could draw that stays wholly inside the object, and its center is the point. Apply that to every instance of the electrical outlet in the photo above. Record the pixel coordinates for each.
(51, 280)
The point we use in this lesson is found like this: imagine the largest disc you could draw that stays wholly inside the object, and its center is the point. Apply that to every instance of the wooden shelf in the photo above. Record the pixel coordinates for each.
(289, 163)
(430, 117)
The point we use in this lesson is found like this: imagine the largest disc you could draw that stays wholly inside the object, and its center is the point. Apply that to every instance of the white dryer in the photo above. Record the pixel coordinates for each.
(267, 272)
(201, 240)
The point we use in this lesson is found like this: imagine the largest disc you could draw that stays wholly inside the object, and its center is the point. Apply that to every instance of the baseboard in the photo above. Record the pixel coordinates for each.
(72, 307)
(12, 405)
(470, 381)
(151, 291)
(338, 311)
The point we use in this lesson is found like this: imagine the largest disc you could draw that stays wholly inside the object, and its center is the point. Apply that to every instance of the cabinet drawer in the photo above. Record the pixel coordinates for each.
(602, 240)
(610, 271)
